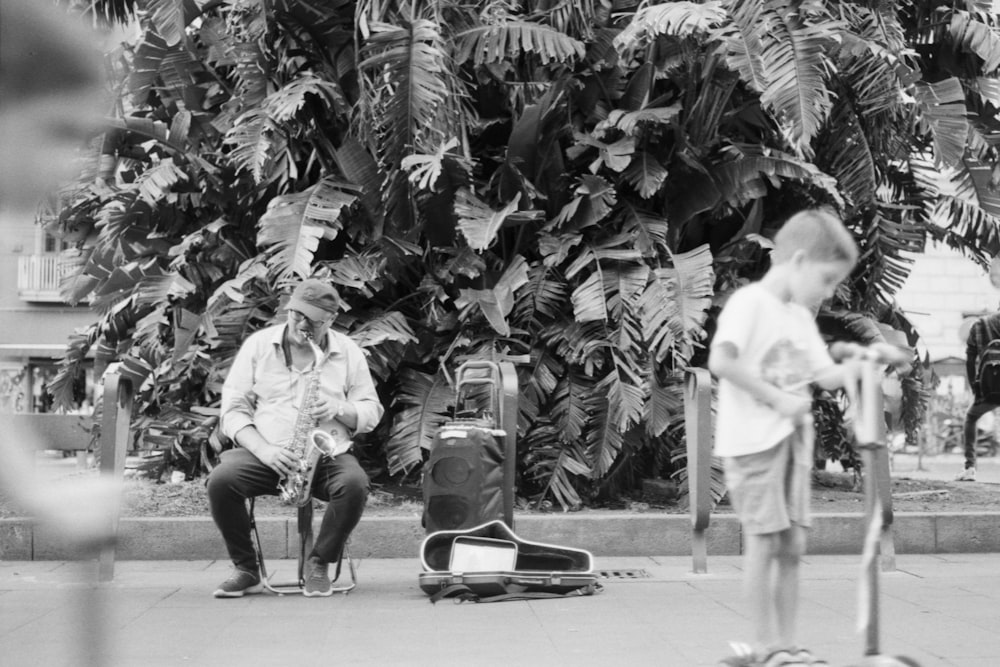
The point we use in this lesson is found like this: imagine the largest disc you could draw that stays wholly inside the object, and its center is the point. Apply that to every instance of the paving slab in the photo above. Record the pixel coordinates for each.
(941, 609)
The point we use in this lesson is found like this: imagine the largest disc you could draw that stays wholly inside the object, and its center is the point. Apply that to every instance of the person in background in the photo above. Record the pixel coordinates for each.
(984, 330)
(262, 399)
(766, 352)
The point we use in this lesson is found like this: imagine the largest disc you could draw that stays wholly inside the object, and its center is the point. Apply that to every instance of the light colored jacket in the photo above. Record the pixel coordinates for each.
(263, 390)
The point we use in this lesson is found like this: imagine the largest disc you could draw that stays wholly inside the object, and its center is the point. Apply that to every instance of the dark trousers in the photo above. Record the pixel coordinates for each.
(240, 475)
(970, 433)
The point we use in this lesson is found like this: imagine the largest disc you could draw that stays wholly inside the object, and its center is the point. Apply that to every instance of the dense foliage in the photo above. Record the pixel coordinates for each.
(581, 182)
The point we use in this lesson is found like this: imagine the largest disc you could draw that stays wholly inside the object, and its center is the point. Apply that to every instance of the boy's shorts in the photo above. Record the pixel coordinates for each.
(770, 489)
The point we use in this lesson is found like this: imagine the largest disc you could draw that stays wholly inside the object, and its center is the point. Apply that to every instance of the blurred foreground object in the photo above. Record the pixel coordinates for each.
(52, 95)
(79, 508)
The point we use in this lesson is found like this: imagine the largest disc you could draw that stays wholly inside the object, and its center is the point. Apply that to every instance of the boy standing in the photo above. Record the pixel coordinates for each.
(766, 353)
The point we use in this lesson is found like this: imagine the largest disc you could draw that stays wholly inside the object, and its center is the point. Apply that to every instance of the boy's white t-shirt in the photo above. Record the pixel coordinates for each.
(780, 341)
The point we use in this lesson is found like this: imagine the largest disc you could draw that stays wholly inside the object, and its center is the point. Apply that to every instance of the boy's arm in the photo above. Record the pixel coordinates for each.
(724, 362)
(848, 371)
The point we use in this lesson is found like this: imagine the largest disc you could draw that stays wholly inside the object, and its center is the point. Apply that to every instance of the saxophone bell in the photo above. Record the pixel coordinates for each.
(328, 444)
(322, 441)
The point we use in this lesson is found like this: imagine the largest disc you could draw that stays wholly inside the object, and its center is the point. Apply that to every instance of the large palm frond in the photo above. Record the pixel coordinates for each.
(509, 39)
(291, 229)
(795, 47)
(741, 42)
(106, 11)
(538, 386)
(568, 410)
(779, 50)
(615, 405)
(478, 222)
(554, 464)
(744, 179)
(541, 299)
(147, 61)
(649, 231)
(952, 212)
(255, 138)
(605, 293)
(577, 18)
(943, 114)
(237, 308)
(594, 198)
(534, 154)
(384, 338)
(665, 407)
(867, 123)
(423, 402)
(284, 104)
(890, 238)
(674, 306)
(670, 19)
(497, 301)
(359, 167)
(973, 32)
(848, 157)
(170, 17)
(409, 104)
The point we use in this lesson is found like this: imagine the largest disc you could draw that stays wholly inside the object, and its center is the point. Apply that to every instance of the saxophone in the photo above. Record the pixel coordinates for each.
(309, 443)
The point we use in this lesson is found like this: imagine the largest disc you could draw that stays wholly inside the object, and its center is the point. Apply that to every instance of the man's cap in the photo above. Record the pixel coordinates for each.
(315, 299)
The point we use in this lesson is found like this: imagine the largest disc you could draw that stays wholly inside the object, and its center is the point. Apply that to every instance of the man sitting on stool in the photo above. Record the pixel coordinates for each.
(261, 401)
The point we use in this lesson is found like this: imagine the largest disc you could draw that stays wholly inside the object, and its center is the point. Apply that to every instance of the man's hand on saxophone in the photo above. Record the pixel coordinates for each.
(275, 457)
(328, 409)
(278, 459)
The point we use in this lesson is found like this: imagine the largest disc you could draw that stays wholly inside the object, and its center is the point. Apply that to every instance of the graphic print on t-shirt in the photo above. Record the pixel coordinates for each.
(785, 365)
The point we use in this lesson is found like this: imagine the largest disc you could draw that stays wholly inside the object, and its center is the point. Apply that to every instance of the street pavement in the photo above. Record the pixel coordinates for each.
(944, 467)
(937, 609)
(941, 609)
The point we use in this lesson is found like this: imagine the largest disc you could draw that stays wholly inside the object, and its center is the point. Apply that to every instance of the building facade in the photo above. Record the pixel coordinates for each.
(35, 324)
(942, 297)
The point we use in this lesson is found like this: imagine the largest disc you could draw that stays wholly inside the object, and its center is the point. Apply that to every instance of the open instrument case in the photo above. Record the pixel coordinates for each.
(469, 552)
(490, 562)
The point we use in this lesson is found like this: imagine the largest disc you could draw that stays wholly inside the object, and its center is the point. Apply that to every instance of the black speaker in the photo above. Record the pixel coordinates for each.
(463, 478)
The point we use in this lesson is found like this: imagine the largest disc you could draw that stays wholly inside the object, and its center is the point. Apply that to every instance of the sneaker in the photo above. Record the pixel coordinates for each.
(743, 656)
(787, 658)
(806, 658)
(967, 475)
(240, 582)
(318, 584)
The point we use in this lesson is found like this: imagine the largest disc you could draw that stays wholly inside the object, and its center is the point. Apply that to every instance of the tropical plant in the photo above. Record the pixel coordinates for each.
(579, 182)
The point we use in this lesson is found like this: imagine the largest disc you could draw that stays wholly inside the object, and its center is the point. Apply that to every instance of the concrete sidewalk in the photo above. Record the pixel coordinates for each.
(944, 467)
(937, 609)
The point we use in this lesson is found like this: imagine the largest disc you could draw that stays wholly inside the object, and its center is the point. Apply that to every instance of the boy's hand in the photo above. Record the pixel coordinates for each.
(792, 405)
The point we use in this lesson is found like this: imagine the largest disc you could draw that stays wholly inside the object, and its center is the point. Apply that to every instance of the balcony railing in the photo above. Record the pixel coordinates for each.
(38, 277)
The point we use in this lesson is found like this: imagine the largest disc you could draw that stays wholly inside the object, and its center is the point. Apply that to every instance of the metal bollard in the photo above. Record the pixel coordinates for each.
(115, 421)
(698, 425)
